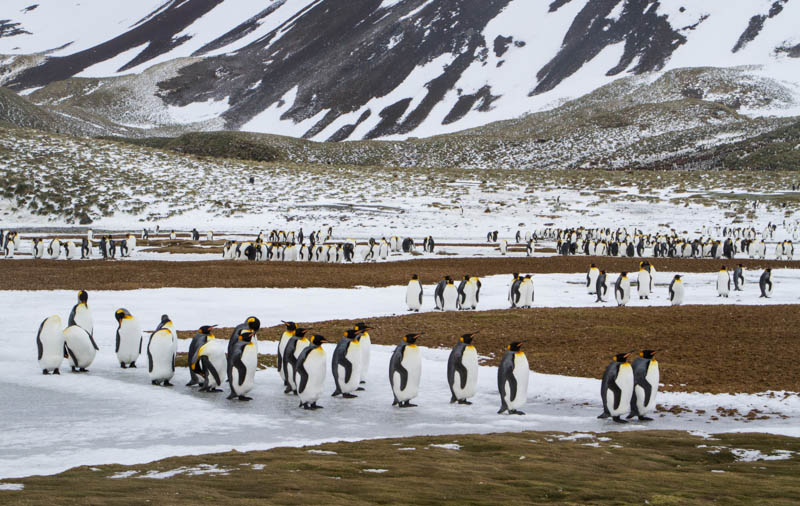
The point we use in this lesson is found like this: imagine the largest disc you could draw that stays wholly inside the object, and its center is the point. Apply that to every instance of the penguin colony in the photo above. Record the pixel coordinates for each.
(70, 249)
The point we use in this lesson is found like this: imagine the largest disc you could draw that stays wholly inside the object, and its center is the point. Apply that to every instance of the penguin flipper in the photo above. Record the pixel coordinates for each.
(648, 390)
(478, 293)
(149, 360)
(240, 368)
(208, 367)
(301, 370)
(462, 372)
(39, 340)
(612, 385)
(512, 387)
(348, 368)
(116, 348)
(403, 372)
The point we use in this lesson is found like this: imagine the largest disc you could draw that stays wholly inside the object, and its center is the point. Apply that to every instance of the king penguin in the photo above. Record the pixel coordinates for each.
(365, 341)
(616, 388)
(514, 296)
(198, 341)
(512, 379)
(765, 283)
(462, 370)
(723, 282)
(243, 363)
(79, 348)
(129, 338)
(414, 294)
(738, 278)
(449, 296)
(591, 279)
(676, 290)
(622, 289)
(645, 385)
(251, 323)
(644, 281)
(346, 364)
(438, 293)
(291, 328)
(526, 292)
(310, 373)
(601, 287)
(294, 347)
(211, 363)
(405, 368)
(82, 316)
(161, 357)
(50, 344)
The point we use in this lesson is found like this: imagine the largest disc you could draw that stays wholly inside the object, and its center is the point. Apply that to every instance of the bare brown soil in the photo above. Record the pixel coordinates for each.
(114, 275)
(704, 348)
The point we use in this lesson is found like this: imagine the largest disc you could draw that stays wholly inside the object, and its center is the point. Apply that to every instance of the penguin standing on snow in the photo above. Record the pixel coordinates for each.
(449, 297)
(645, 281)
(473, 290)
(676, 290)
(129, 338)
(198, 341)
(294, 347)
(526, 292)
(81, 316)
(211, 363)
(438, 293)
(50, 345)
(462, 370)
(79, 348)
(405, 368)
(723, 282)
(462, 294)
(514, 295)
(645, 385)
(616, 388)
(622, 289)
(86, 248)
(346, 364)
(765, 283)
(310, 373)
(738, 278)
(591, 279)
(512, 379)
(251, 323)
(601, 288)
(243, 363)
(291, 328)
(365, 341)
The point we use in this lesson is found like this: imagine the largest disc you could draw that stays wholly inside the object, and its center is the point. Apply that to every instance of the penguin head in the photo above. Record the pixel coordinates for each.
(768, 269)
(253, 323)
(648, 354)
(412, 338)
(290, 326)
(83, 296)
(466, 277)
(516, 275)
(120, 314)
(467, 338)
(448, 278)
(301, 332)
(164, 319)
(207, 329)
(246, 335)
(361, 327)
(414, 276)
(593, 266)
(602, 272)
(317, 340)
(723, 269)
(623, 274)
(354, 334)
(515, 346)
(677, 277)
(622, 357)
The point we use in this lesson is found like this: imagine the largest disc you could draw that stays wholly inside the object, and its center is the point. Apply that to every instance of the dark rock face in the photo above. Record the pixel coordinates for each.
(756, 24)
(9, 29)
(791, 51)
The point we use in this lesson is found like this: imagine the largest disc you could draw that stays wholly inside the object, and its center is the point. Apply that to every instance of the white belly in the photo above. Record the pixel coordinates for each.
(412, 295)
(216, 355)
(521, 374)
(470, 291)
(652, 378)
(450, 297)
(625, 383)
(413, 364)
(52, 339)
(299, 347)
(80, 345)
(163, 357)
(644, 283)
(130, 337)
(593, 274)
(365, 345)
(677, 289)
(722, 283)
(315, 366)
(83, 318)
(250, 361)
(469, 359)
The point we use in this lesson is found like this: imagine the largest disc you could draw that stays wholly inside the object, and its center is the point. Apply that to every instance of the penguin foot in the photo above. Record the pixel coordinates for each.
(167, 384)
(464, 401)
(361, 389)
(154, 382)
(407, 404)
(192, 383)
(132, 365)
(619, 420)
(215, 390)
(645, 419)
(245, 398)
(44, 371)
(83, 369)
(122, 365)
(315, 406)
(305, 405)
(337, 392)
(515, 412)
(604, 415)
(231, 396)
(287, 390)
(349, 396)
(57, 372)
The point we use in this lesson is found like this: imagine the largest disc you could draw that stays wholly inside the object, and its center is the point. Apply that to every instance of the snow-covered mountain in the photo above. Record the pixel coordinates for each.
(361, 69)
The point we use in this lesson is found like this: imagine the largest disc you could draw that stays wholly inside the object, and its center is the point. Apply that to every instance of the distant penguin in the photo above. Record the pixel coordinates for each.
(676, 291)
(644, 281)
(473, 292)
(512, 379)
(723, 282)
(365, 341)
(211, 363)
(405, 368)
(738, 278)
(530, 247)
(765, 283)
(50, 345)
(591, 279)
(86, 248)
(195, 367)
(601, 288)
(161, 357)
(414, 294)
(346, 364)
(503, 247)
(622, 289)
(309, 376)
(129, 338)
(82, 316)
(645, 385)
(79, 348)
(449, 296)
(514, 295)
(243, 363)
(462, 370)
(294, 347)
(616, 388)
(38, 248)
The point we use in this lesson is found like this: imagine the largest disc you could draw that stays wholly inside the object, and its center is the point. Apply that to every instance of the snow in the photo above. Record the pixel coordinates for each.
(447, 446)
(189, 471)
(743, 455)
(377, 471)
(198, 111)
(321, 452)
(12, 486)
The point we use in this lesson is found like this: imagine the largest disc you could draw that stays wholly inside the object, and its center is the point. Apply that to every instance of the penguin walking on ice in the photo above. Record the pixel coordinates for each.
(291, 328)
(251, 323)
(129, 338)
(601, 288)
(198, 341)
(462, 370)
(242, 363)
(405, 368)
(723, 282)
(514, 295)
(622, 289)
(414, 294)
(346, 364)
(676, 290)
(294, 347)
(591, 279)
(50, 345)
(616, 388)
(365, 341)
(645, 385)
(449, 297)
(310, 373)
(512, 379)
(211, 363)
(79, 348)
(765, 283)
(161, 357)
(738, 278)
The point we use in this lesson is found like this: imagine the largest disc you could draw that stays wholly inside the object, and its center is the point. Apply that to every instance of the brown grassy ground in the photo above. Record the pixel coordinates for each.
(113, 275)
(655, 467)
(705, 348)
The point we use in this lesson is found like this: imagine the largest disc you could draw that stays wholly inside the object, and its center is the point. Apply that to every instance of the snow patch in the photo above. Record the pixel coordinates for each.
(12, 486)
(743, 455)
(447, 446)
